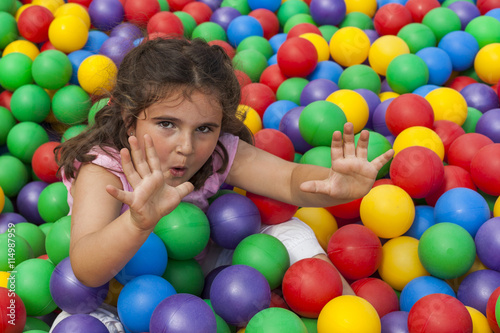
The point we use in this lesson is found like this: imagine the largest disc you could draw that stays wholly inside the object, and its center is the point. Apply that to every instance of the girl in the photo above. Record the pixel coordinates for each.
(171, 133)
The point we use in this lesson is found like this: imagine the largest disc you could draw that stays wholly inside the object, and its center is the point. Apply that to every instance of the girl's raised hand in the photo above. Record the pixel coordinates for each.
(152, 197)
(352, 175)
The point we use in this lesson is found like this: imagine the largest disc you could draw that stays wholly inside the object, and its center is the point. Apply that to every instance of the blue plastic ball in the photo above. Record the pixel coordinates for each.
(425, 89)
(439, 64)
(94, 41)
(326, 70)
(424, 218)
(242, 27)
(76, 58)
(275, 111)
(272, 5)
(461, 47)
(277, 40)
(420, 287)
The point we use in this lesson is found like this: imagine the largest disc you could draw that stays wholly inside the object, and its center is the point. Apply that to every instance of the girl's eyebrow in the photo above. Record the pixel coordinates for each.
(174, 119)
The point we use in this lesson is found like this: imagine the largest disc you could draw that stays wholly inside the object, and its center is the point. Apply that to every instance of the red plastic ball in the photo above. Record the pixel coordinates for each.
(485, 6)
(85, 3)
(417, 170)
(277, 300)
(5, 97)
(13, 311)
(272, 77)
(309, 284)
(258, 96)
(176, 5)
(448, 131)
(34, 22)
(165, 22)
(44, 162)
(454, 176)
(418, 8)
(276, 143)
(439, 313)
(47, 46)
(297, 57)
(460, 82)
(230, 51)
(463, 149)
(490, 310)
(303, 28)
(140, 11)
(378, 293)
(355, 250)
(242, 77)
(268, 20)
(408, 110)
(200, 11)
(272, 211)
(349, 210)
(485, 169)
(390, 18)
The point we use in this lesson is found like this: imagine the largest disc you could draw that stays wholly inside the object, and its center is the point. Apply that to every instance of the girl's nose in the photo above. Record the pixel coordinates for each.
(184, 144)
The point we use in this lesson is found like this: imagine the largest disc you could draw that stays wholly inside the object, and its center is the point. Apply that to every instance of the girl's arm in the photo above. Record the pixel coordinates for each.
(350, 177)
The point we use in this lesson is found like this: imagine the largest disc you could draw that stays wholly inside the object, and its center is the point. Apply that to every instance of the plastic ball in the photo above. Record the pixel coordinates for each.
(276, 319)
(380, 295)
(76, 58)
(268, 20)
(80, 323)
(356, 251)
(349, 46)
(27, 202)
(319, 120)
(13, 318)
(238, 292)
(417, 36)
(182, 312)
(289, 125)
(485, 30)
(400, 262)
(442, 21)
(116, 48)
(97, 73)
(407, 72)
(275, 142)
(321, 221)
(353, 105)
(291, 89)
(186, 276)
(252, 119)
(224, 15)
(272, 77)
(489, 124)
(251, 62)
(479, 321)
(22, 46)
(272, 211)
(258, 96)
(74, 9)
(163, 22)
(51, 69)
(15, 69)
(52, 204)
(327, 12)
(408, 110)
(24, 138)
(106, 14)
(68, 33)
(348, 313)
(420, 287)
(439, 313)
(454, 176)
(34, 22)
(419, 136)
(8, 29)
(477, 287)
(483, 168)
(480, 96)
(13, 175)
(71, 105)
(448, 131)
(384, 50)
(241, 27)
(395, 321)
(463, 149)
(297, 57)
(491, 311)
(126, 30)
(461, 47)
(58, 239)
(140, 11)
(486, 243)
(438, 63)
(21, 247)
(360, 77)
(387, 210)
(30, 103)
(466, 11)
(359, 20)
(275, 112)
(390, 18)
(256, 43)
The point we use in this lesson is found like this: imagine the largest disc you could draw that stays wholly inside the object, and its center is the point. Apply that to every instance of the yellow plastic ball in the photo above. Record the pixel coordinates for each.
(51, 5)
(354, 106)
(383, 50)
(114, 290)
(320, 44)
(349, 46)
(400, 262)
(22, 9)
(68, 33)
(4, 279)
(321, 222)
(252, 118)
(386, 95)
(76, 10)
(479, 321)
(22, 46)
(487, 64)
(368, 7)
(2, 199)
(496, 208)
(387, 210)
(448, 104)
(348, 314)
(419, 136)
(97, 73)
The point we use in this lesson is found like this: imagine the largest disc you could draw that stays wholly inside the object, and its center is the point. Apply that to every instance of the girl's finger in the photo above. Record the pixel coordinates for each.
(349, 148)
(381, 160)
(140, 163)
(362, 146)
(128, 168)
(151, 155)
(120, 195)
(336, 150)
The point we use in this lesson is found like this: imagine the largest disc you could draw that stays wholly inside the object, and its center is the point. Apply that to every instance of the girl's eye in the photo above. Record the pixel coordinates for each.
(166, 124)
(204, 129)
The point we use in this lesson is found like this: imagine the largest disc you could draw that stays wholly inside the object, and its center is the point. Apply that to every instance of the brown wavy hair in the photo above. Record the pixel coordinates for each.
(152, 72)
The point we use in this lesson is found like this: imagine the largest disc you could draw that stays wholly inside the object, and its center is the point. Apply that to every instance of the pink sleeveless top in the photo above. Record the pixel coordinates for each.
(198, 197)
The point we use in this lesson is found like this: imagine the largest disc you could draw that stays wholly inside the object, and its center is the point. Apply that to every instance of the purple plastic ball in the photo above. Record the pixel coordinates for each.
(213, 4)
(385, 87)
(489, 125)
(477, 287)
(330, 12)
(238, 293)
(209, 279)
(289, 124)
(27, 201)
(466, 12)
(126, 30)
(378, 119)
(224, 15)
(372, 35)
(232, 217)
(480, 96)
(70, 294)
(80, 323)
(488, 243)
(106, 14)
(372, 100)
(8, 218)
(116, 48)
(181, 313)
(395, 322)
(317, 90)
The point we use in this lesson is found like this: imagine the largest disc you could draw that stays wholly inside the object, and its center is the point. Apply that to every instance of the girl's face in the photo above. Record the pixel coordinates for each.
(184, 131)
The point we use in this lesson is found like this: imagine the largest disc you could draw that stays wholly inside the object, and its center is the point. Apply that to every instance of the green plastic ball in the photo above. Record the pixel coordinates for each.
(33, 235)
(377, 145)
(30, 103)
(240, 5)
(185, 231)
(45, 227)
(57, 240)
(251, 62)
(96, 107)
(275, 320)
(185, 276)
(209, 31)
(164, 6)
(446, 250)
(52, 69)
(24, 138)
(35, 325)
(406, 73)
(188, 22)
(8, 29)
(358, 20)
(14, 250)
(32, 282)
(470, 123)
(297, 157)
(360, 77)
(52, 203)
(15, 71)
(319, 120)
(311, 324)
(485, 29)
(13, 175)
(7, 5)
(218, 194)
(266, 254)
(7, 121)
(71, 105)
(291, 89)
(258, 43)
(297, 19)
(8, 207)
(290, 8)
(320, 155)
(447, 3)
(222, 326)
(73, 131)
(442, 21)
(327, 31)
(417, 36)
